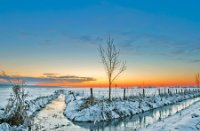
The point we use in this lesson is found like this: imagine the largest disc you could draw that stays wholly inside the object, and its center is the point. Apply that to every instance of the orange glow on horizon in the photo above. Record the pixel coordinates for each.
(124, 80)
(118, 84)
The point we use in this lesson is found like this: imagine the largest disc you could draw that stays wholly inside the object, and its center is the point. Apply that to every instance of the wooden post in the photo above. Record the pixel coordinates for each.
(124, 93)
(143, 92)
(91, 95)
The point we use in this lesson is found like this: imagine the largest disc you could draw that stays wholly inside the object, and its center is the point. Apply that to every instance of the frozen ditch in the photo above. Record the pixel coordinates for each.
(80, 110)
(51, 117)
(138, 121)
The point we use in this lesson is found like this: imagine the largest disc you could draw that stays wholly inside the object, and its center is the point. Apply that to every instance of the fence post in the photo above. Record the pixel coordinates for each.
(91, 95)
(124, 93)
(143, 92)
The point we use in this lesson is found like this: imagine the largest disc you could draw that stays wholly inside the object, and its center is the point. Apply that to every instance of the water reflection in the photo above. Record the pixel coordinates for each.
(137, 121)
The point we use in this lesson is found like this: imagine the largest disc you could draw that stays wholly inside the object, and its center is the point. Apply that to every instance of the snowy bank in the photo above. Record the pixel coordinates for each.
(104, 110)
(32, 107)
(186, 120)
(7, 127)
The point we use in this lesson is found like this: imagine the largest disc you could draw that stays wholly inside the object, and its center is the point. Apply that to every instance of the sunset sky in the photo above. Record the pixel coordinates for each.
(55, 43)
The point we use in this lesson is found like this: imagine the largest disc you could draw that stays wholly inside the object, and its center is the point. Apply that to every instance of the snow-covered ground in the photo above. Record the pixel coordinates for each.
(7, 127)
(37, 104)
(103, 110)
(37, 91)
(32, 108)
(33, 93)
(132, 91)
(186, 120)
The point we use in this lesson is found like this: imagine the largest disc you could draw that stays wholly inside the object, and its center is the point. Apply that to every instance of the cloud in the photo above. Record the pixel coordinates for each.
(47, 43)
(26, 78)
(195, 61)
(147, 44)
(87, 39)
(69, 78)
(75, 78)
(65, 39)
(48, 77)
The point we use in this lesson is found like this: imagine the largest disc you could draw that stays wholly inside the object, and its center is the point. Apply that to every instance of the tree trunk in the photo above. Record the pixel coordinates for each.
(109, 91)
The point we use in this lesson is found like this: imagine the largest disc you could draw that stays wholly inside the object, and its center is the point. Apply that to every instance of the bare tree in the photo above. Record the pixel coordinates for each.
(197, 78)
(16, 103)
(110, 59)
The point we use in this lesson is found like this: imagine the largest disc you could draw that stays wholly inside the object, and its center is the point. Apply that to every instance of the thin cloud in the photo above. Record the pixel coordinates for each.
(195, 61)
(47, 43)
(144, 44)
(87, 39)
(49, 77)
(50, 74)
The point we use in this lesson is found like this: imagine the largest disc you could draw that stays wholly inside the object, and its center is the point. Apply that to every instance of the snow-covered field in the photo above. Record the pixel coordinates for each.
(132, 91)
(33, 93)
(138, 100)
(37, 91)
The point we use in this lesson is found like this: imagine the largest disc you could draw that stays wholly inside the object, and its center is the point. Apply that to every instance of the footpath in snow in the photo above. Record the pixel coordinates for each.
(186, 120)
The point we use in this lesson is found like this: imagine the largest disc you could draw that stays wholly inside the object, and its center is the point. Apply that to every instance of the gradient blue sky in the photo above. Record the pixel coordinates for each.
(160, 40)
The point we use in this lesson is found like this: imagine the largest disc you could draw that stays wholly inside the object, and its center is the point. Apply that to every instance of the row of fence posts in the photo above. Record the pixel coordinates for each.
(177, 91)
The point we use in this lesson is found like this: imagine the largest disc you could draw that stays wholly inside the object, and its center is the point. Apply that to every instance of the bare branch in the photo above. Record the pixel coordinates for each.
(110, 59)
(197, 78)
(122, 68)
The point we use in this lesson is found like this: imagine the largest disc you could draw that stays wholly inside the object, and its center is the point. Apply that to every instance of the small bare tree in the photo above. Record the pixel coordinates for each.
(197, 78)
(16, 103)
(110, 59)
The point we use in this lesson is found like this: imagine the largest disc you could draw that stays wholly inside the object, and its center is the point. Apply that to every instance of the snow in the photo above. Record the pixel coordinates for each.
(33, 107)
(33, 93)
(51, 117)
(132, 91)
(7, 127)
(118, 108)
(44, 99)
(186, 120)
(39, 103)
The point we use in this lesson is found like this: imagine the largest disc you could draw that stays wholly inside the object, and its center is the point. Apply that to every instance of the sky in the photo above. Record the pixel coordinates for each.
(55, 43)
